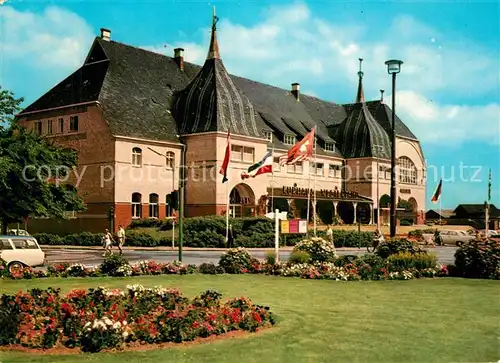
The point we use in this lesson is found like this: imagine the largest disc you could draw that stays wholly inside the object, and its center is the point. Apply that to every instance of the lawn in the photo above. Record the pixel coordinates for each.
(428, 320)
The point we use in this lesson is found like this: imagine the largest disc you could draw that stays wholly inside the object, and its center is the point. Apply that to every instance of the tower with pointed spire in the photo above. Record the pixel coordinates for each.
(211, 102)
(360, 97)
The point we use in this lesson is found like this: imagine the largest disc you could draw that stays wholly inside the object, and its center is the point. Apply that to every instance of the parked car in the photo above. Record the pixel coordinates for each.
(20, 251)
(457, 238)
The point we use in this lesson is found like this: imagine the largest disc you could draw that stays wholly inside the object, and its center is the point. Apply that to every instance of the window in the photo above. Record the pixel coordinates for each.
(407, 171)
(61, 125)
(388, 173)
(276, 164)
(136, 206)
(168, 207)
(296, 168)
(316, 168)
(170, 159)
(49, 127)
(38, 127)
(334, 171)
(153, 206)
(236, 152)
(136, 157)
(330, 147)
(268, 135)
(248, 154)
(289, 139)
(73, 123)
(5, 244)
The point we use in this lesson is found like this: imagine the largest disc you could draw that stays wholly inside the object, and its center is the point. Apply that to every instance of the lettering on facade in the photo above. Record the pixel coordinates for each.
(322, 193)
(405, 191)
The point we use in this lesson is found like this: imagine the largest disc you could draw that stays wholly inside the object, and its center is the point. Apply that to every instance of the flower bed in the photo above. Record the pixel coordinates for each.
(98, 319)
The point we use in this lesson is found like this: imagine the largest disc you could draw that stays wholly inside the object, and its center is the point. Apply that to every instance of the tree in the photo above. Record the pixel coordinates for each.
(9, 106)
(31, 171)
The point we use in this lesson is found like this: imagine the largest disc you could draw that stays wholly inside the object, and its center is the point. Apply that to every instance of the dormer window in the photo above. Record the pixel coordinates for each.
(289, 139)
(268, 135)
(330, 147)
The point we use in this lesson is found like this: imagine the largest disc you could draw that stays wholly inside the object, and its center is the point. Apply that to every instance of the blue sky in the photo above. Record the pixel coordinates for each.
(448, 90)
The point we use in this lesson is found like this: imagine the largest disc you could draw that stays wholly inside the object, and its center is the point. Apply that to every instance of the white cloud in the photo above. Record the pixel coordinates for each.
(448, 124)
(55, 38)
(290, 45)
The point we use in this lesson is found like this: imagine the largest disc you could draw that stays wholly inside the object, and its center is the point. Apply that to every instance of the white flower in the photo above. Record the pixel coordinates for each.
(117, 325)
(124, 334)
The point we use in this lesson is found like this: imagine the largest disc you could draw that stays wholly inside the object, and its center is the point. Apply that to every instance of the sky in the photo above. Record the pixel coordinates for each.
(448, 91)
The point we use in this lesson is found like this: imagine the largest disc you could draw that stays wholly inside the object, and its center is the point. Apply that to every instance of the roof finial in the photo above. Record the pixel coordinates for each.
(213, 51)
(360, 97)
(382, 96)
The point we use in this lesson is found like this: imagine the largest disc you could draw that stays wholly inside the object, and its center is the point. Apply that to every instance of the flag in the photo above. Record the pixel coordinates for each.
(303, 150)
(437, 193)
(225, 163)
(489, 187)
(262, 167)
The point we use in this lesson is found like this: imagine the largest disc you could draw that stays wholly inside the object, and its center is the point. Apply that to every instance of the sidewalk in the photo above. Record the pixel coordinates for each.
(185, 249)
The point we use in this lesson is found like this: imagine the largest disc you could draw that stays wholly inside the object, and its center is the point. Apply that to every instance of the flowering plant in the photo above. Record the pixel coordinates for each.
(104, 333)
(317, 248)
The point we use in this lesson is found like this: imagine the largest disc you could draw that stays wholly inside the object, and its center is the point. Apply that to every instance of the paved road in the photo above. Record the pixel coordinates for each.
(94, 257)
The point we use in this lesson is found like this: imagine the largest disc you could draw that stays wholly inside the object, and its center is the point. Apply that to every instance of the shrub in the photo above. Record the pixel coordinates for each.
(406, 261)
(478, 260)
(115, 265)
(146, 223)
(393, 246)
(103, 333)
(406, 222)
(270, 257)
(83, 239)
(318, 248)
(9, 319)
(345, 260)
(343, 238)
(209, 269)
(235, 261)
(48, 239)
(299, 257)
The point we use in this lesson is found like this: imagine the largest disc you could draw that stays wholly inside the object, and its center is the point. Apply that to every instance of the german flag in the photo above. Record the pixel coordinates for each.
(437, 193)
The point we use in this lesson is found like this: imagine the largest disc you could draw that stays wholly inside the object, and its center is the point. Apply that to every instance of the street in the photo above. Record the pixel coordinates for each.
(93, 257)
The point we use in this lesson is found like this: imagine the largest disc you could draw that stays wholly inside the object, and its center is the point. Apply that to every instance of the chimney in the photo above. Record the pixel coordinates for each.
(179, 57)
(106, 34)
(296, 91)
(382, 96)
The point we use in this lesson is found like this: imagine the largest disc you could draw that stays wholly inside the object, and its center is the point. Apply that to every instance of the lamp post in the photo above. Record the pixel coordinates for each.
(378, 147)
(181, 196)
(393, 68)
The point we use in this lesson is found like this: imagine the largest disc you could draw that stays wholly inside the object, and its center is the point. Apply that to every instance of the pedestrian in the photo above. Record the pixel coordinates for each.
(230, 237)
(121, 238)
(329, 235)
(107, 242)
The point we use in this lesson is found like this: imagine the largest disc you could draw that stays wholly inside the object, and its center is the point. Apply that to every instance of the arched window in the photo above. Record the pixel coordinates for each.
(136, 156)
(136, 206)
(170, 159)
(168, 206)
(407, 171)
(153, 206)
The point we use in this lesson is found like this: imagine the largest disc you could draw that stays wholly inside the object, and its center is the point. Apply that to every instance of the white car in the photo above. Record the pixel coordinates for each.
(17, 232)
(20, 251)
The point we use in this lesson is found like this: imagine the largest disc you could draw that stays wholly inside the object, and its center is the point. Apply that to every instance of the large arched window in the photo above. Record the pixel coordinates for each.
(153, 206)
(170, 159)
(136, 206)
(407, 171)
(136, 156)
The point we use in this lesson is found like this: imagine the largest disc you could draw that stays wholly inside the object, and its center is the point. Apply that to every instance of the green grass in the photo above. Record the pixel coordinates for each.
(433, 320)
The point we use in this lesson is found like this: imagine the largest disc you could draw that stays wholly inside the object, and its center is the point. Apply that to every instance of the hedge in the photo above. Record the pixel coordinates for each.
(210, 232)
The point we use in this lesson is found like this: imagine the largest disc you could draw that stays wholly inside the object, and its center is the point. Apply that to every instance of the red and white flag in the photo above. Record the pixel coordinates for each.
(225, 163)
(303, 150)
(437, 193)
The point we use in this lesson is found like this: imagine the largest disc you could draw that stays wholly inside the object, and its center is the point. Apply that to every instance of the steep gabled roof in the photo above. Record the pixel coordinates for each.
(360, 135)
(477, 209)
(212, 102)
(137, 89)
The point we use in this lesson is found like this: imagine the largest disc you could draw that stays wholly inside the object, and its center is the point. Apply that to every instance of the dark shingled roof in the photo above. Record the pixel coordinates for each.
(360, 135)
(137, 90)
(475, 210)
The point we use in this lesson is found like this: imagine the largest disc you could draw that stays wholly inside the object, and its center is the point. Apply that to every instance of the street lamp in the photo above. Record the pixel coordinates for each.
(376, 148)
(393, 68)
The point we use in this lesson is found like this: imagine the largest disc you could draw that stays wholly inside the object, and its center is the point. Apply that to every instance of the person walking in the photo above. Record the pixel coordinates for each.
(121, 238)
(107, 242)
(329, 234)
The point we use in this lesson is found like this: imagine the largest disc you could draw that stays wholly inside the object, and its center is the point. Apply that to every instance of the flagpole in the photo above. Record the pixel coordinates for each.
(272, 183)
(227, 190)
(315, 172)
(308, 198)
(440, 209)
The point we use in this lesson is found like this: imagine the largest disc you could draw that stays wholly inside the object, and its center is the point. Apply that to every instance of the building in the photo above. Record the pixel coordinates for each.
(132, 114)
(435, 216)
